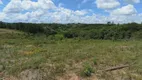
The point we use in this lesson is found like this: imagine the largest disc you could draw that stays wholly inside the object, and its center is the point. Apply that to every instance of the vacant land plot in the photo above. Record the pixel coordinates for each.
(28, 57)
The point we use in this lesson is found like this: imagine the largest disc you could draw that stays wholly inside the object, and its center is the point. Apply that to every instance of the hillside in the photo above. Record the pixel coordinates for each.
(4, 31)
(108, 31)
(25, 56)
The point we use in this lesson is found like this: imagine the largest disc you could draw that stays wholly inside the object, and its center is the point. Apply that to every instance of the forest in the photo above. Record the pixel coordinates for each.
(109, 31)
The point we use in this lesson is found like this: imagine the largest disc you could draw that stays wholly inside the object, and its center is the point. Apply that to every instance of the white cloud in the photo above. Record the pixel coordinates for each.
(40, 11)
(16, 6)
(80, 13)
(2, 16)
(125, 10)
(60, 5)
(28, 4)
(132, 1)
(46, 4)
(1, 2)
(107, 4)
(45, 11)
(140, 14)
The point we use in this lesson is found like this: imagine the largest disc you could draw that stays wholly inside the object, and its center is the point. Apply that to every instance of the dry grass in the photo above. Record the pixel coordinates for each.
(58, 58)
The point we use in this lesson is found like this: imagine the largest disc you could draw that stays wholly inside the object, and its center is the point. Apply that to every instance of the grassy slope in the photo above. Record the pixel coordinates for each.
(19, 52)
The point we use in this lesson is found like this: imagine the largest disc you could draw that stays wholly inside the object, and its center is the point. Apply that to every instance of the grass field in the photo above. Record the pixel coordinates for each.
(24, 57)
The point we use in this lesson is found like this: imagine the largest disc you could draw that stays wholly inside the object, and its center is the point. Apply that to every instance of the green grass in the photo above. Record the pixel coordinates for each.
(19, 52)
(87, 70)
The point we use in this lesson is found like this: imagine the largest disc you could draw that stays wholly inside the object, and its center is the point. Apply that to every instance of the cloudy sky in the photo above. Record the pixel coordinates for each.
(71, 11)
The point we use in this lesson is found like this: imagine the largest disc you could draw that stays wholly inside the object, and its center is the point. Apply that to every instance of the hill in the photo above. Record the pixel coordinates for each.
(25, 56)
(108, 31)
(4, 31)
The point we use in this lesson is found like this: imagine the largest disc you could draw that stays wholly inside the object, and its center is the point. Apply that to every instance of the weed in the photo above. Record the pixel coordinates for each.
(95, 61)
(87, 70)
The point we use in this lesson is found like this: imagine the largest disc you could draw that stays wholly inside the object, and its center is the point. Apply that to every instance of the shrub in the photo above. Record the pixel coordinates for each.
(108, 31)
(137, 35)
(59, 37)
(87, 70)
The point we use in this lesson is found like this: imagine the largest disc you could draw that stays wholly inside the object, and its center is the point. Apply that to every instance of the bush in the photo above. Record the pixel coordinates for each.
(137, 35)
(84, 31)
(87, 70)
(59, 37)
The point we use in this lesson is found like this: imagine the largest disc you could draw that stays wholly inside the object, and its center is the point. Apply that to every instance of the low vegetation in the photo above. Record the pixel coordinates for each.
(87, 70)
(70, 51)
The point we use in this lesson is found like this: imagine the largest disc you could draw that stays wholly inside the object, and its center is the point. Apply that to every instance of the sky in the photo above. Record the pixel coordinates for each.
(71, 11)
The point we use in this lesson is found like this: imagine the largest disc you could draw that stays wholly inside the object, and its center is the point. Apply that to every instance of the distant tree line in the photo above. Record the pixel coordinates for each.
(85, 31)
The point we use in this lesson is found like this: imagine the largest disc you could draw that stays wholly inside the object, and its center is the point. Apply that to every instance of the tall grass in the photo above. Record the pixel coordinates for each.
(57, 57)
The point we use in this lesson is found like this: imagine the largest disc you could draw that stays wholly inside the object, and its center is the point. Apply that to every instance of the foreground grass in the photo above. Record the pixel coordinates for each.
(20, 52)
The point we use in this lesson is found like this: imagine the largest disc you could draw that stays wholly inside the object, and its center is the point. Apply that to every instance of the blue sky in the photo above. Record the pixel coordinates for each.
(71, 11)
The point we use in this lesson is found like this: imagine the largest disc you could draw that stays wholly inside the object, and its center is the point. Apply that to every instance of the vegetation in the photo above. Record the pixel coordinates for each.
(88, 70)
(108, 31)
(64, 51)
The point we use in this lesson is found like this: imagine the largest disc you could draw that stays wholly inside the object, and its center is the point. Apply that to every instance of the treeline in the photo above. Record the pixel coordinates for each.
(83, 31)
(28, 27)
